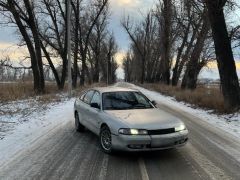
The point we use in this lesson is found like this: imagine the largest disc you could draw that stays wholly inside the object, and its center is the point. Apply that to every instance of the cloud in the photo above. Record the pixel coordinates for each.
(213, 65)
(127, 3)
(130, 7)
(238, 65)
(14, 52)
(119, 57)
(212, 71)
(145, 4)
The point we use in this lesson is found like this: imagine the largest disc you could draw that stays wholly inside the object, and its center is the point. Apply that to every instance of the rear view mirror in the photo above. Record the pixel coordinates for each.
(95, 105)
(154, 103)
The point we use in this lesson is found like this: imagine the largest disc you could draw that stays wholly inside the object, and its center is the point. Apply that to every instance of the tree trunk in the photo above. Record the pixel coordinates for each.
(83, 72)
(36, 38)
(143, 71)
(175, 77)
(190, 82)
(97, 60)
(224, 54)
(76, 44)
(64, 55)
(64, 72)
(96, 71)
(165, 60)
(54, 71)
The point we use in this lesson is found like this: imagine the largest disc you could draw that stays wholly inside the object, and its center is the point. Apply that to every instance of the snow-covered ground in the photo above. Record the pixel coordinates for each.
(22, 122)
(229, 123)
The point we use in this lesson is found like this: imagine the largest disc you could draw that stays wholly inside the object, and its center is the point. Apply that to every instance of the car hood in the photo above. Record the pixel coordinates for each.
(149, 119)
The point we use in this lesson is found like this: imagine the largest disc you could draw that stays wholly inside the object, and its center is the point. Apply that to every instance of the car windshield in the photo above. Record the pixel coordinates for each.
(125, 100)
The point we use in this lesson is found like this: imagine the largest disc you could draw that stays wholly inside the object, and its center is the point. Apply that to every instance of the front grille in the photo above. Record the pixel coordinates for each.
(161, 131)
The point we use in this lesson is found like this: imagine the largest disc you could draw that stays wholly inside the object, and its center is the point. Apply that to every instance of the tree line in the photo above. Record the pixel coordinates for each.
(42, 28)
(176, 39)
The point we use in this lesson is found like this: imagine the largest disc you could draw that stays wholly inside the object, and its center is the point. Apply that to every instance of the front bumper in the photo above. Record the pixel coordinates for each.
(149, 142)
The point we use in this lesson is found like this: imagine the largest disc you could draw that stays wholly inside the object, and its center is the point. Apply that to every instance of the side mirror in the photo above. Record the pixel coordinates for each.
(95, 105)
(154, 103)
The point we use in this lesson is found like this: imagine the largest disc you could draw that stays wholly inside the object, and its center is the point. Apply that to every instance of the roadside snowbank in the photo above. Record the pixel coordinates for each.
(229, 123)
(29, 121)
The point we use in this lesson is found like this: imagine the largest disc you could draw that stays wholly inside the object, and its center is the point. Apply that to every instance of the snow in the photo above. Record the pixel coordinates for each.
(22, 122)
(229, 123)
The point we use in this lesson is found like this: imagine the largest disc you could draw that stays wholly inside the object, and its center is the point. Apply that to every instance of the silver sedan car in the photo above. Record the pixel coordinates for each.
(125, 119)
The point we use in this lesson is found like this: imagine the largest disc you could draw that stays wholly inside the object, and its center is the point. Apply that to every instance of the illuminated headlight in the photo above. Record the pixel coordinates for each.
(133, 131)
(180, 128)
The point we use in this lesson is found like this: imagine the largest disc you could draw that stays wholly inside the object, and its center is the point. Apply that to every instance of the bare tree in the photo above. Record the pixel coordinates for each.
(165, 13)
(107, 62)
(99, 34)
(194, 66)
(224, 54)
(111, 64)
(140, 36)
(127, 66)
(54, 36)
(11, 72)
(22, 13)
(185, 20)
(98, 8)
(86, 17)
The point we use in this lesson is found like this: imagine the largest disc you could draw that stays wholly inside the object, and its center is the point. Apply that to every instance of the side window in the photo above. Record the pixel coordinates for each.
(88, 97)
(82, 96)
(96, 98)
(141, 99)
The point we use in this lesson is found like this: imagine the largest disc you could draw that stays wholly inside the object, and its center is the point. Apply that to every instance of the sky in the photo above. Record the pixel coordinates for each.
(119, 8)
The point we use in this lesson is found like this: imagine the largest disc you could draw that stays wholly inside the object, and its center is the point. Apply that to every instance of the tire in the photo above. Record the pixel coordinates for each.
(78, 126)
(105, 140)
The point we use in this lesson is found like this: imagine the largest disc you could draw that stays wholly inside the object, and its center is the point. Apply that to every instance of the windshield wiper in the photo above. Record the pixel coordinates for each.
(139, 105)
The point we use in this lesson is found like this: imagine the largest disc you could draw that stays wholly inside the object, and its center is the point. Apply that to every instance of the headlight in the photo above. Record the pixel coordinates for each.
(180, 128)
(133, 131)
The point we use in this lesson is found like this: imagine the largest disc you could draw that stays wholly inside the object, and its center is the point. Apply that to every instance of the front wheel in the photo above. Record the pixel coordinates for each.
(78, 126)
(106, 140)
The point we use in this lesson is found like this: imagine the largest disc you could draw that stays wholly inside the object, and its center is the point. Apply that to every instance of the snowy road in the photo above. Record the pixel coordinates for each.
(63, 153)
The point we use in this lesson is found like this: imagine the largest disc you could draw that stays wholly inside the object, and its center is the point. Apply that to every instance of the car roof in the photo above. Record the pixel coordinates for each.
(114, 89)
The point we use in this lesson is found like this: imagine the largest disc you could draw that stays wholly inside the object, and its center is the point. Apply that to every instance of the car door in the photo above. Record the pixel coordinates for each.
(79, 107)
(94, 113)
(85, 106)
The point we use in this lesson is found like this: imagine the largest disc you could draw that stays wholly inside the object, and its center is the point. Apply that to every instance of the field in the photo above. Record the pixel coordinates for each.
(206, 97)
(13, 91)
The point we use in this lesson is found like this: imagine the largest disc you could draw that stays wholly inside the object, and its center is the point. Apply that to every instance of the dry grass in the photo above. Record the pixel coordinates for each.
(14, 91)
(24, 90)
(207, 98)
